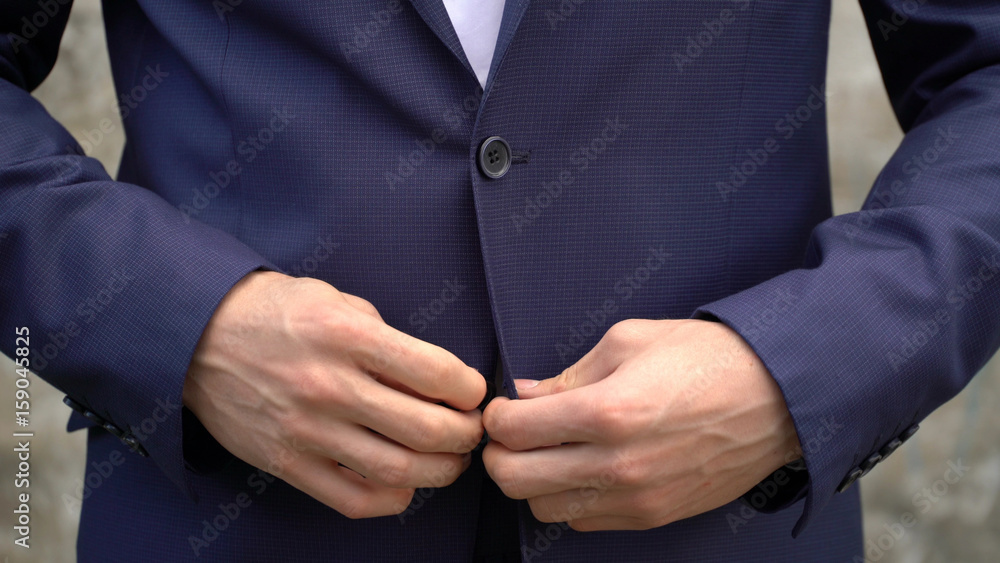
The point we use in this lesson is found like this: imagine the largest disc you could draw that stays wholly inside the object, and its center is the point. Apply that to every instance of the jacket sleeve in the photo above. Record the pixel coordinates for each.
(114, 285)
(895, 307)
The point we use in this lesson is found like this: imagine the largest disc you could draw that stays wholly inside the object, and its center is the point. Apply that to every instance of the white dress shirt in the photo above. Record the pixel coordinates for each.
(477, 24)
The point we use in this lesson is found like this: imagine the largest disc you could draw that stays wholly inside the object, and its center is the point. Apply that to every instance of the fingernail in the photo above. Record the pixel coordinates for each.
(522, 384)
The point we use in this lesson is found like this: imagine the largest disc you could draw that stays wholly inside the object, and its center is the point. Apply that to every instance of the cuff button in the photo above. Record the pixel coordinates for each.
(849, 480)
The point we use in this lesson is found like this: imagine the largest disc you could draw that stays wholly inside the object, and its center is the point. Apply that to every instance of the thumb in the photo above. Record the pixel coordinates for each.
(592, 367)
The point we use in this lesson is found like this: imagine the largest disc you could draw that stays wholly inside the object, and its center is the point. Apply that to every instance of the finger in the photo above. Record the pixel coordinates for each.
(583, 503)
(362, 305)
(594, 366)
(523, 475)
(393, 384)
(388, 463)
(416, 424)
(425, 368)
(344, 490)
(571, 416)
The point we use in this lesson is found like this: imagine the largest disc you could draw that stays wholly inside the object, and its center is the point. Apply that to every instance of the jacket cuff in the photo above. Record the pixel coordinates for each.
(831, 400)
(145, 410)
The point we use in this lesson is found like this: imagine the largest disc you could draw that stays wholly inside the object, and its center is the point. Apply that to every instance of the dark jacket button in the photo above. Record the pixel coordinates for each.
(494, 157)
(114, 430)
(849, 480)
(909, 432)
(133, 444)
(869, 463)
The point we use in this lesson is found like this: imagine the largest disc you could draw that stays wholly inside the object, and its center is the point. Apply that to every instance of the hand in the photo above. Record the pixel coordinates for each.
(661, 421)
(293, 376)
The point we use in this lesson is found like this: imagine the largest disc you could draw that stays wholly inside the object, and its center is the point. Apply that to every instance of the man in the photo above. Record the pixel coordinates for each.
(334, 222)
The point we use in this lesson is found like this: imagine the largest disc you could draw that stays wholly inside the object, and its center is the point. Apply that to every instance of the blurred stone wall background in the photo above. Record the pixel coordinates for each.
(954, 522)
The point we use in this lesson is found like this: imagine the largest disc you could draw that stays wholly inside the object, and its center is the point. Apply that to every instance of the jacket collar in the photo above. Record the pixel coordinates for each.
(436, 17)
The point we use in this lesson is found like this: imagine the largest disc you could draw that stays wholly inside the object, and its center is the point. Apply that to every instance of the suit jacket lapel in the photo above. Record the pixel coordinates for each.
(436, 16)
(513, 11)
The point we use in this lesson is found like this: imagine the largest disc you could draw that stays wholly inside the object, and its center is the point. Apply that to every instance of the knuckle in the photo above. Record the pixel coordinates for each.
(503, 427)
(314, 320)
(452, 471)
(491, 420)
(401, 505)
(445, 474)
(470, 442)
(615, 419)
(295, 428)
(308, 286)
(402, 500)
(366, 306)
(335, 323)
(387, 348)
(356, 507)
(632, 475)
(542, 510)
(339, 325)
(430, 434)
(310, 383)
(566, 380)
(625, 333)
(505, 475)
(464, 440)
(394, 470)
(440, 378)
(320, 386)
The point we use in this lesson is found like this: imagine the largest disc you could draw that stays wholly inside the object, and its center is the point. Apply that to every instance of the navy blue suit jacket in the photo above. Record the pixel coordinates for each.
(338, 140)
